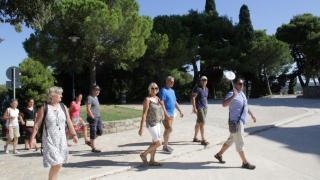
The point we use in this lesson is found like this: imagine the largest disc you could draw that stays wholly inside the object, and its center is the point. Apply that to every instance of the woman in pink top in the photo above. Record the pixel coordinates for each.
(78, 123)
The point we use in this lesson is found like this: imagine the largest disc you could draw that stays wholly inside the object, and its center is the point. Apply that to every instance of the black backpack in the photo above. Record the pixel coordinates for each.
(43, 124)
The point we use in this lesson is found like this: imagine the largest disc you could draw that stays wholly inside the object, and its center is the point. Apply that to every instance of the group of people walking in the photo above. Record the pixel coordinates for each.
(55, 122)
(161, 108)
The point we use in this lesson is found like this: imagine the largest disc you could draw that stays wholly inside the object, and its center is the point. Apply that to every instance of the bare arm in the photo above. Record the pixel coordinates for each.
(38, 122)
(164, 109)
(69, 123)
(89, 112)
(252, 116)
(144, 114)
(193, 101)
(227, 101)
(6, 115)
(178, 107)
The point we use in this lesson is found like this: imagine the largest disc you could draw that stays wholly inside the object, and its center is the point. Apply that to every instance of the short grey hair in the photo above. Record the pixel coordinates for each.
(55, 90)
(171, 78)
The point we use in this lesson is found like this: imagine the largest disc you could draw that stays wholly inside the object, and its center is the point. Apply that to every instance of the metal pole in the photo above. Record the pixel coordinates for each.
(14, 82)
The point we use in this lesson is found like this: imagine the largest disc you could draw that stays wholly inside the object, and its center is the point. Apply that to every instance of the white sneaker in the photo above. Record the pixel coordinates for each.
(5, 149)
(16, 152)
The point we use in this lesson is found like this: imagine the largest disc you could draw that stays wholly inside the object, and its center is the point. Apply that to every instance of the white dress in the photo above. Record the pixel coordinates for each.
(54, 141)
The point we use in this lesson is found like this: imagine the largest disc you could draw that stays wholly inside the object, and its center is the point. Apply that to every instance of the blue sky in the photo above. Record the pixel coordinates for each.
(265, 14)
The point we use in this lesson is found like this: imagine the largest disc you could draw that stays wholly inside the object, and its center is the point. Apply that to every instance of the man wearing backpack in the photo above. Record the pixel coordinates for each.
(238, 111)
(94, 117)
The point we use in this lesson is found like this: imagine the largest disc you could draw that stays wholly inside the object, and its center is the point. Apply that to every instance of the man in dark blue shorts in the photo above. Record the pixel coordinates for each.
(94, 117)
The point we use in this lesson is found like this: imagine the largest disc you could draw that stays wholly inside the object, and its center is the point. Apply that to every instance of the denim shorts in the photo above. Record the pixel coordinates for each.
(95, 127)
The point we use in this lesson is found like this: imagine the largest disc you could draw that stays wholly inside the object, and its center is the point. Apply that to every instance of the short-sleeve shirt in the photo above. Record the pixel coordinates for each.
(236, 106)
(95, 105)
(29, 114)
(168, 96)
(202, 97)
(13, 117)
(75, 109)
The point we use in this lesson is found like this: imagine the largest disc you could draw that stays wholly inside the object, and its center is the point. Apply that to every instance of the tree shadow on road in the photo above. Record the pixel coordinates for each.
(302, 139)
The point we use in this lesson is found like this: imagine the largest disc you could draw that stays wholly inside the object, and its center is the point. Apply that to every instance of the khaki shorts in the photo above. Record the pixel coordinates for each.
(237, 138)
(201, 115)
(13, 132)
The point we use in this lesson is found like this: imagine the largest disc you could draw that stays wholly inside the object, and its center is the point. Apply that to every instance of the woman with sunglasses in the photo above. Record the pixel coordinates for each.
(152, 115)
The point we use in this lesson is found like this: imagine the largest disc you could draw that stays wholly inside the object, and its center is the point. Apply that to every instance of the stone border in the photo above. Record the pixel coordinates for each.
(120, 125)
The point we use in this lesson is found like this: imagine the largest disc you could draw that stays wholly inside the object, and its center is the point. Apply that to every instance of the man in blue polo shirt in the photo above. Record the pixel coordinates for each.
(169, 103)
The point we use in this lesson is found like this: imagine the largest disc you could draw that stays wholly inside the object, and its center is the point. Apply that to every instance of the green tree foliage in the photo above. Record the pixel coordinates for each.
(3, 92)
(268, 57)
(110, 32)
(36, 79)
(210, 8)
(34, 13)
(302, 33)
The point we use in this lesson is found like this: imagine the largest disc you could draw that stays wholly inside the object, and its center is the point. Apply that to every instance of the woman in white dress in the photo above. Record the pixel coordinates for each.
(55, 116)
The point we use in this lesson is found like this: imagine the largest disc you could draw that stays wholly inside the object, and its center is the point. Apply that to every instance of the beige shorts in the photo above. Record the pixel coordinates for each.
(13, 132)
(237, 138)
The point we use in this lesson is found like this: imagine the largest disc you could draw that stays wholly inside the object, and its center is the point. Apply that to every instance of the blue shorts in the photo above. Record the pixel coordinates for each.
(95, 127)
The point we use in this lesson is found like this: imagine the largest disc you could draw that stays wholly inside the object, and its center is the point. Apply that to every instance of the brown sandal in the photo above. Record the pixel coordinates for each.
(154, 163)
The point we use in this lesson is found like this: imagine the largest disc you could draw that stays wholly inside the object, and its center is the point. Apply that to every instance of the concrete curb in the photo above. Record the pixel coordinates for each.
(220, 142)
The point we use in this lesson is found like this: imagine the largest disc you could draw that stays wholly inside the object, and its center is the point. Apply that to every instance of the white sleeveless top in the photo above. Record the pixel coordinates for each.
(13, 117)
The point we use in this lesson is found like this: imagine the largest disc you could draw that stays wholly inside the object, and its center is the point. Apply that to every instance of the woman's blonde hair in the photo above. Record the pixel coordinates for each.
(55, 90)
(152, 85)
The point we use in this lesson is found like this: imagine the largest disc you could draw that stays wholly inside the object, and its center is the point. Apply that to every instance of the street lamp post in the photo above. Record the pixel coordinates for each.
(74, 40)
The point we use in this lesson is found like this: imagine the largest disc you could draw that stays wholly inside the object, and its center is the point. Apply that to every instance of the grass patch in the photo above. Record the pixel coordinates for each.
(114, 113)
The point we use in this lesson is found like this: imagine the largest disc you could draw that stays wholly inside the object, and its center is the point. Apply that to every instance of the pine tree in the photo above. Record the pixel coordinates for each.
(210, 8)
(245, 25)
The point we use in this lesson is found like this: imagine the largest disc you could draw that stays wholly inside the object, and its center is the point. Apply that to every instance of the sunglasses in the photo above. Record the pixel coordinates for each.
(154, 88)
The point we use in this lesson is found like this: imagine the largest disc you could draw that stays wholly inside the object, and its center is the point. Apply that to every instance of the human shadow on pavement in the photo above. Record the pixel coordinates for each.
(32, 154)
(135, 144)
(188, 166)
(98, 164)
(301, 139)
(109, 153)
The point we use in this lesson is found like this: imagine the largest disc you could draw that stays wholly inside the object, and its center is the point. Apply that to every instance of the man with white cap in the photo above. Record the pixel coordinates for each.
(200, 108)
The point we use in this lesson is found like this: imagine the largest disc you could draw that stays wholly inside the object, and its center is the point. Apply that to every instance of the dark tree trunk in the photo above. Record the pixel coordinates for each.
(196, 72)
(93, 71)
(267, 81)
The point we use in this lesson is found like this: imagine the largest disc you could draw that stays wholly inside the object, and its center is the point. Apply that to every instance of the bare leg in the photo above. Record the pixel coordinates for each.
(223, 149)
(15, 142)
(153, 153)
(26, 144)
(196, 130)
(167, 131)
(93, 143)
(243, 157)
(54, 171)
(202, 131)
(85, 134)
